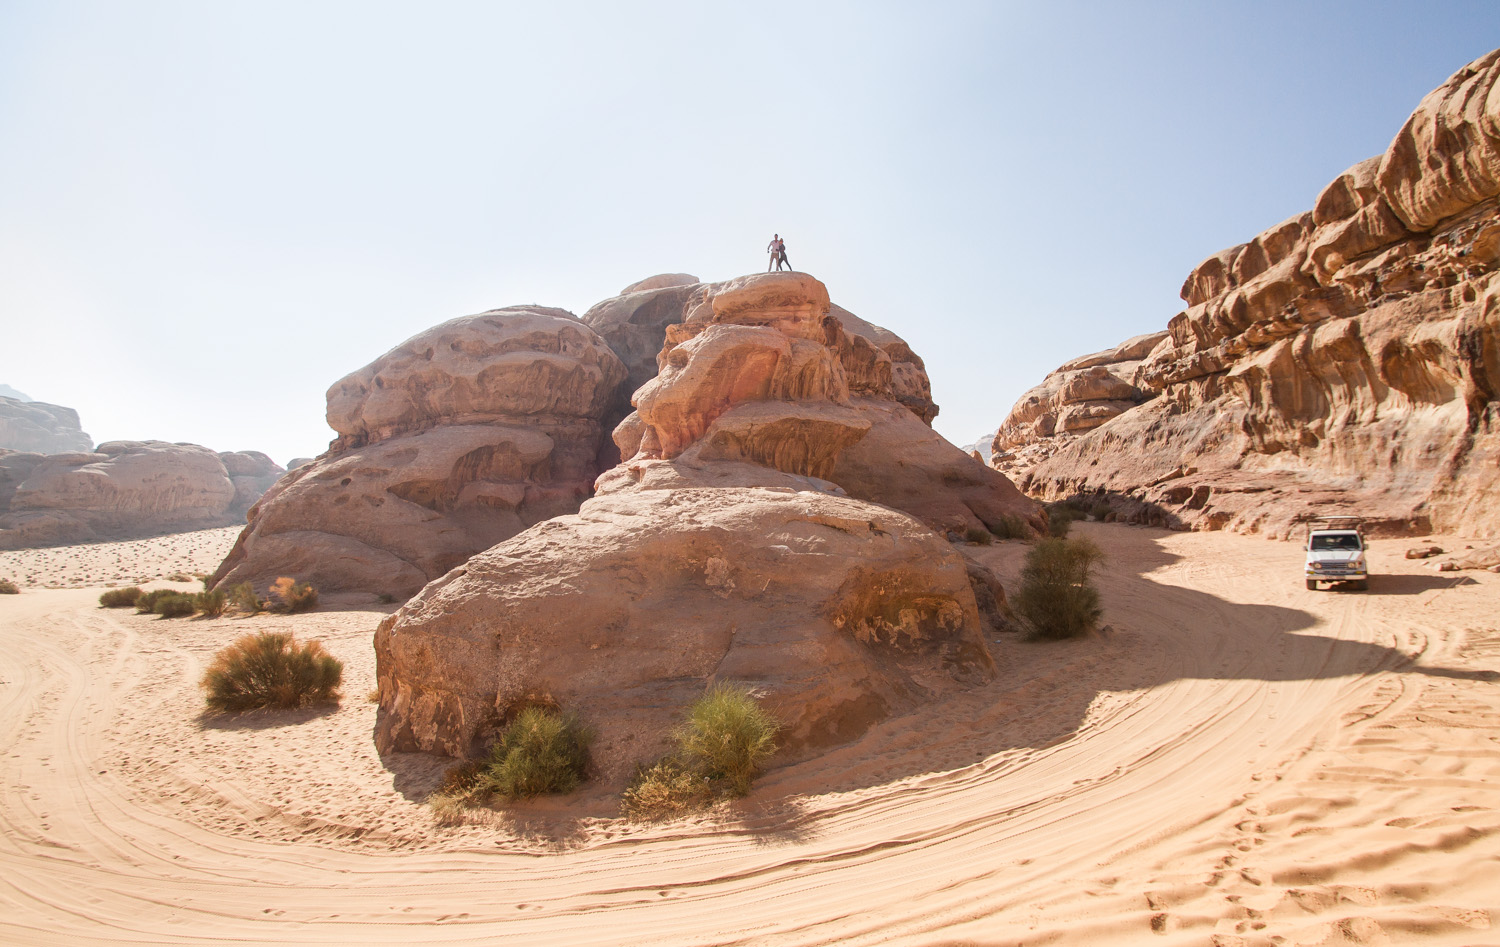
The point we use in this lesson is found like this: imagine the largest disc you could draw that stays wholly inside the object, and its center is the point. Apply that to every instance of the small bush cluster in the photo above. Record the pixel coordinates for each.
(243, 597)
(174, 605)
(1056, 597)
(294, 596)
(1011, 527)
(270, 670)
(1060, 518)
(1100, 509)
(211, 603)
(722, 746)
(145, 603)
(7, 587)
(179, 577)
(120, 598)
(976, 535)
(541, 751)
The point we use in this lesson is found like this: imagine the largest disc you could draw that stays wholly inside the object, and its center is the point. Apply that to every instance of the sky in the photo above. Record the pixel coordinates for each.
(211, 212)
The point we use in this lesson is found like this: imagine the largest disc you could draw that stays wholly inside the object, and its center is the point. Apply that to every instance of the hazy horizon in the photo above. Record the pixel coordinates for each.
(214, 212)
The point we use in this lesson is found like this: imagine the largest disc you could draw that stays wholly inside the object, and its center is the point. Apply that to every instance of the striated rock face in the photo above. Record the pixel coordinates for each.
(1345, 361)
(1079, 396)
(459, 438)
(764, 372)
(252, 474)
(839, 612)
(40, 428)
(122, 488)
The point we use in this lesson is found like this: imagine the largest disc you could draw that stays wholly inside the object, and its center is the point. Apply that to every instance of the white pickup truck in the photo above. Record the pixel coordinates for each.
(1336, 552)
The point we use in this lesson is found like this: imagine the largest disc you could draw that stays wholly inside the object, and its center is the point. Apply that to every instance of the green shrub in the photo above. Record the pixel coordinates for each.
(541, 751)
(1100, 509)
(212, 603)
(174, 605)
(976, 535)
(145, 603)
(243, 597)
(1011, 527)
(1056, 597)
(120, 598)
(294, 596)
(7, 587)
(727, 737)
(663, 790)
(269, 669)
(1060, 517)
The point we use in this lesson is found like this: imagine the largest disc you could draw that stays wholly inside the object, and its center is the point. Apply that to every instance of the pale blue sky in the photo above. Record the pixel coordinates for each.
(209, 212)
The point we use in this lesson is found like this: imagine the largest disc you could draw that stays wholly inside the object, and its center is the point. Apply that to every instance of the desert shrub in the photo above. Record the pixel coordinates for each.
(665, 789)
(212, 603)
(1100, 509)
(243, 597)
(976, 535)
(541, 751)
(294, 596)
(386, 598)
(727, 737)
(1056, 597)
(145, 603)
(7, 587)
(174, 605)
(120, 598)
(1060, 517)
(179, 577)
(269, 669)
(1011, 527)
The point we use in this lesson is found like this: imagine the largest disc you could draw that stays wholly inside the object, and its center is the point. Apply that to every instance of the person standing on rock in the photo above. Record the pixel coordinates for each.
(777, 246)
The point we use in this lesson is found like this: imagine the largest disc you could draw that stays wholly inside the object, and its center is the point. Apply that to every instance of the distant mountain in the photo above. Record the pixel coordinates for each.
(7, 391)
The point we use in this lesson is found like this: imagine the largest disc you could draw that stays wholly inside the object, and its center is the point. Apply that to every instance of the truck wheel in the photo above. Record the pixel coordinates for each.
(1312, 585)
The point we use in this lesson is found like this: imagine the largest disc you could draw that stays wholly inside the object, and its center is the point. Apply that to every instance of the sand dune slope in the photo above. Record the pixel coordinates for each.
(1237, 761)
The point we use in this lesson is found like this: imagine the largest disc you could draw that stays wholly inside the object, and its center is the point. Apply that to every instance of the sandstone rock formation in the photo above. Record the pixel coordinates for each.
(120, 489)
(839, 612)
(1079, 396)
(252, 474)
(1344, 361)
(40, 428)
(723, 547)
(459, 438)
(765, 371)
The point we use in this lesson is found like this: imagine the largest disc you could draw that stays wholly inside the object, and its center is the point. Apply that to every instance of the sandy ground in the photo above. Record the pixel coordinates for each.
(1235, 761)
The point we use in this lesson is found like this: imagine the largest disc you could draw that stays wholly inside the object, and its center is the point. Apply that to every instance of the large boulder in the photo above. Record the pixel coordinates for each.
(1346, 360)
(121, 489)
(252, 474)
(453, 441)
(838, 612)
(41, 428)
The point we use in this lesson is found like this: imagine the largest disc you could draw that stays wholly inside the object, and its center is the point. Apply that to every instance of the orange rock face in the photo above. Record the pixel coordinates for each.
(1344, 361)
(455, 440)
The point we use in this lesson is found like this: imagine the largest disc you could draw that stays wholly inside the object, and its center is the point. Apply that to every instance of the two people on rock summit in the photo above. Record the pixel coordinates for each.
(777, 247)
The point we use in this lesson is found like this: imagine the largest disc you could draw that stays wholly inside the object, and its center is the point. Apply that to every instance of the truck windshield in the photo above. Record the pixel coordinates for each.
(1335, 541)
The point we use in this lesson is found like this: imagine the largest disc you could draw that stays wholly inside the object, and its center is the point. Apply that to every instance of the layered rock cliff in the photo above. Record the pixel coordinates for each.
(1344, 361)
(36, 427)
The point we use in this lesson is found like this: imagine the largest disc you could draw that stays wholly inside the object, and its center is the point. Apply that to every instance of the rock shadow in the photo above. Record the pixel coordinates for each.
(264, 719)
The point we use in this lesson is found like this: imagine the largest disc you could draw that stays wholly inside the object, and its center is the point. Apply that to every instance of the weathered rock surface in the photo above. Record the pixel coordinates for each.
(120, 489)
(765, 371)
(40, 428)
(839, 612)
(252, 474)
(455, 440)
(1079, 396)
(1345, 361)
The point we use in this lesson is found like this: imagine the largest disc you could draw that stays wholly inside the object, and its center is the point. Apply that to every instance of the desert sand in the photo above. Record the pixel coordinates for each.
(1233, 760)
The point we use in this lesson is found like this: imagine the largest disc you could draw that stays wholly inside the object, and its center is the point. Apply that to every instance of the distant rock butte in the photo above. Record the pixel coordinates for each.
(122, 489)
(39, 428)
(738, 540)
(1345, 361)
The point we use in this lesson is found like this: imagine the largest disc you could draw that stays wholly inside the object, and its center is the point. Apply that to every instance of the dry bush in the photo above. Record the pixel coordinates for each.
(120, 598)
(269, 669)
(976, 535)
(664, 790)
(174, 605)
(179, 577)
(211, 603)
(1100, 509)
(7, 587)
(1011, 527)
(727, 737)
(1060, 517)
(1056, 597)
(294, 596)
(541, 751)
